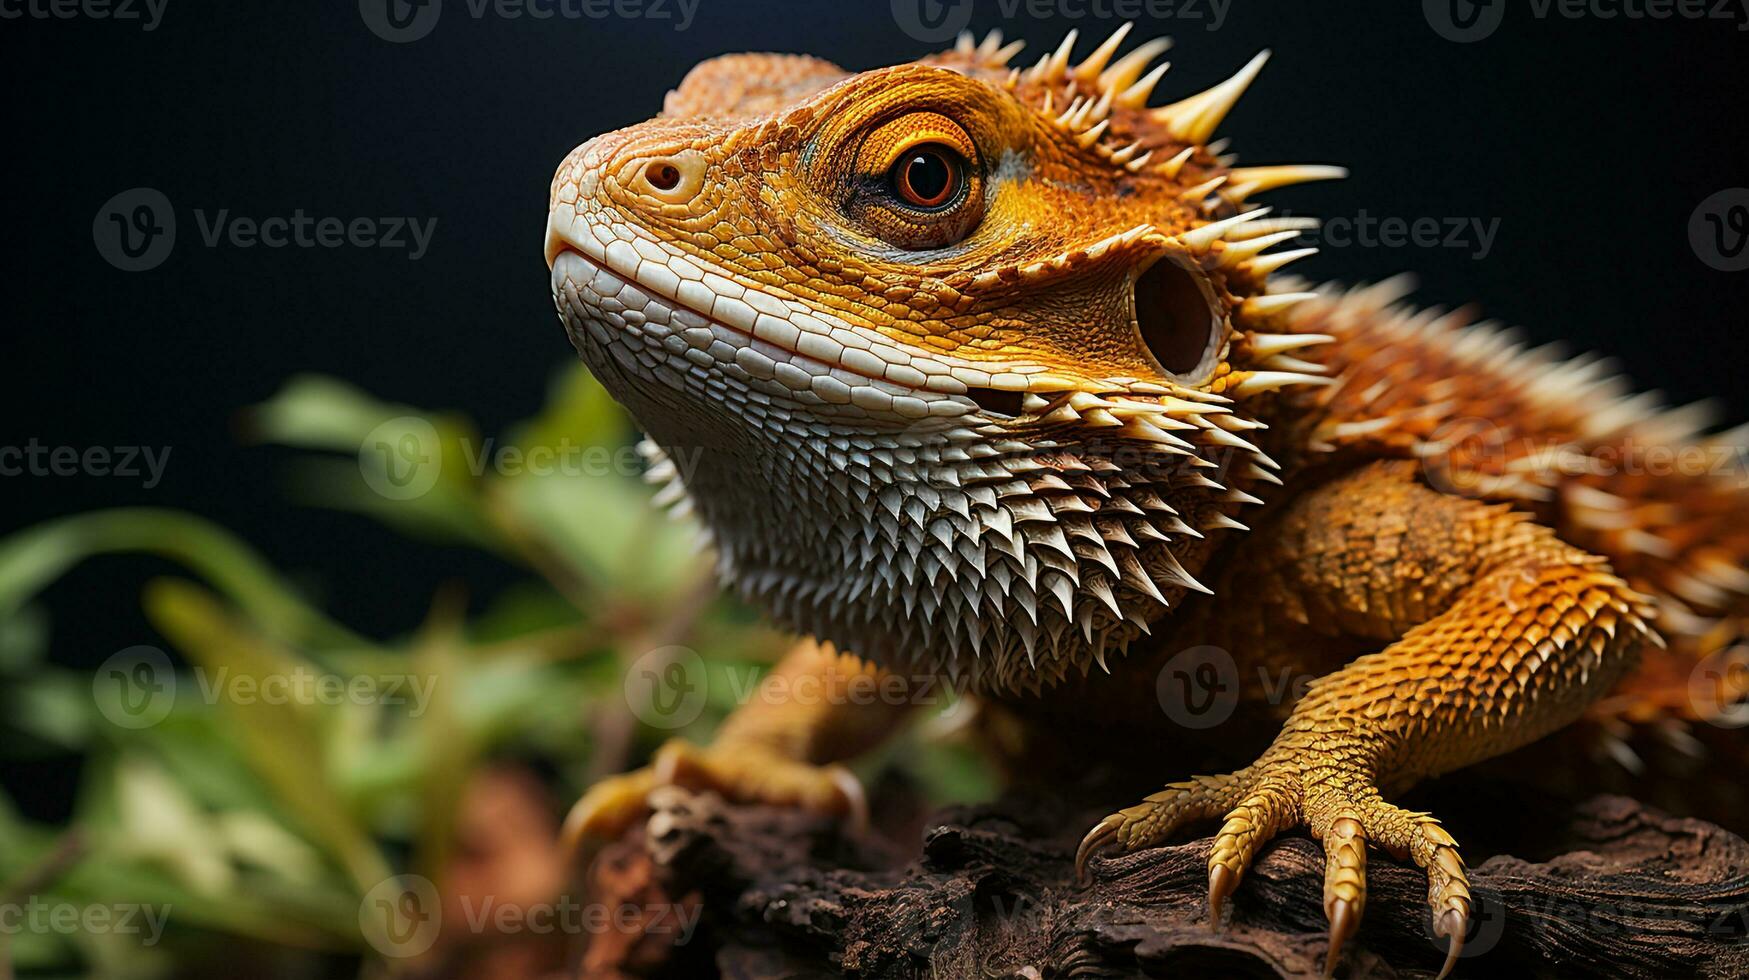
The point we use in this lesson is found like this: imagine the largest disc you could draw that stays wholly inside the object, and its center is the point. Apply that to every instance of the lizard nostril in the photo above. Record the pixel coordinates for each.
(674, 179)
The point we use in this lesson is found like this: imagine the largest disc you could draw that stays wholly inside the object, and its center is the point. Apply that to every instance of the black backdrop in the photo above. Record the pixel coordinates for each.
(1585, 143)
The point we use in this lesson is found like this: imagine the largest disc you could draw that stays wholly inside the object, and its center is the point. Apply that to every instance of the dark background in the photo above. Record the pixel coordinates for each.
(1592, 141)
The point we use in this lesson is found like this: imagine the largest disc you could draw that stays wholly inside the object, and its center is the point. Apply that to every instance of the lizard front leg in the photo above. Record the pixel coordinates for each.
(815, 709)
(1498, 633)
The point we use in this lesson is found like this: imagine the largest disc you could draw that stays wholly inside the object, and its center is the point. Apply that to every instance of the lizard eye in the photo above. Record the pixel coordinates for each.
(929, 176)
(918, 184)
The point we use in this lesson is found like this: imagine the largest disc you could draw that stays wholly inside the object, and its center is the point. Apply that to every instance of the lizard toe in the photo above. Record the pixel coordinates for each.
(1159, 816)
(1344, 882)
(1345, 822)
(1268, 810)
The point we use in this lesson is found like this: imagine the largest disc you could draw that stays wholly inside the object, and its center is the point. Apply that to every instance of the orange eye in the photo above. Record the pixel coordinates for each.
(928, 176)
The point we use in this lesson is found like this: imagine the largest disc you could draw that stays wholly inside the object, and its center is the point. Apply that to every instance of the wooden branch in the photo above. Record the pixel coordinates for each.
(1632, 893)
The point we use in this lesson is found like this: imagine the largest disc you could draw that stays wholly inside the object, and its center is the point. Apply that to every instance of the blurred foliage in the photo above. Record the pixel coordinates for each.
(260, 825)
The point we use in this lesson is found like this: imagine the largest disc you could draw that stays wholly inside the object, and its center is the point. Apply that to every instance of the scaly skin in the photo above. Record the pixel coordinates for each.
(976, 370)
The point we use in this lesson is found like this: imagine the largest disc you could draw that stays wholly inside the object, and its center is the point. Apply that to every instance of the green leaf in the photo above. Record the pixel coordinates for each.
(606, 531)
(578, 412)
(24, 638)
(416, 471)
(281, 740)
(33, 558)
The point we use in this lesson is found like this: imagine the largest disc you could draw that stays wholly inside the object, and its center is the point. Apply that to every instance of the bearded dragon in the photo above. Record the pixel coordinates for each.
(991, 373)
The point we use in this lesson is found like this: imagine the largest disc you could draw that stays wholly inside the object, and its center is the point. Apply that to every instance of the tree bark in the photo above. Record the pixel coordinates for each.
(1626, 892)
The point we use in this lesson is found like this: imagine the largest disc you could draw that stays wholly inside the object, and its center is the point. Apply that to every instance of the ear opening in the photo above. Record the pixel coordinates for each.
(1178, 318)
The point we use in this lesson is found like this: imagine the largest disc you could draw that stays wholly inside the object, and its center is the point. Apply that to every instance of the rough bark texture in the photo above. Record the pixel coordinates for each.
(1629, 892)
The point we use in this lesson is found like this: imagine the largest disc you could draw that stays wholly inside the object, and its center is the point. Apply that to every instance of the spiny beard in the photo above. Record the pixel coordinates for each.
(1007, 572)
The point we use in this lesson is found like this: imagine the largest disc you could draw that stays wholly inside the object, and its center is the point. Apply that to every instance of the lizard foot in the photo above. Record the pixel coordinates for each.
(742, 771)
(1317, 780)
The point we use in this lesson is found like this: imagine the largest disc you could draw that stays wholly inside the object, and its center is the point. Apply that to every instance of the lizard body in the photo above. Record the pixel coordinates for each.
(982, 372)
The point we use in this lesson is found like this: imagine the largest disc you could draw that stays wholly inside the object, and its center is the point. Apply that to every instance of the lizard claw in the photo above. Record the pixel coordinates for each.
(1222, 883)
(1453, 925)
(1098, 839)
(1344, 923)
(1314, 783)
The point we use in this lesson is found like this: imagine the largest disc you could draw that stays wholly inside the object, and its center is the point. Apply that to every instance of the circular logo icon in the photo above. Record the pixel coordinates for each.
(135, 230)
(1464, 21)
(1487, 925)
(932, 21)
(1718, 688)
(401, 916)
(1466, 457)
(1718, 230)
(401, 458)
(135, 688)
(1199, 687)
(400, 21)
(666, 687)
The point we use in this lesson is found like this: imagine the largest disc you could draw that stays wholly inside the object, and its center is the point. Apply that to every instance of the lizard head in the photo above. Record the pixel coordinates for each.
(954, 361)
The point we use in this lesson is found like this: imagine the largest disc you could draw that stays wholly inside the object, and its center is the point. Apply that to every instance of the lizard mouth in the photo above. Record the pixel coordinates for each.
(610, 282)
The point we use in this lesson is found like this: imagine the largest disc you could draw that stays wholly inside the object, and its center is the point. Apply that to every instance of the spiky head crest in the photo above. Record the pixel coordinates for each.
(952, 359)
